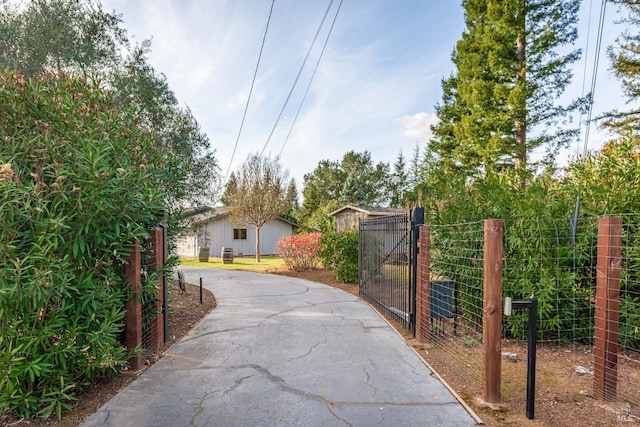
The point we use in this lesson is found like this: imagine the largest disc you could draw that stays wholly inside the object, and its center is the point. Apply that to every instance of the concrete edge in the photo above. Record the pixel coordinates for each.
(464, 404)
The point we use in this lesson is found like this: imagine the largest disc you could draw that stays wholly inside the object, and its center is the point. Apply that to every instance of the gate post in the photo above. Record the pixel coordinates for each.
(133, 320)
(165, 288)
(157, 263)
(605, 357)
(423, 330)
(417, 219)
(492, 310)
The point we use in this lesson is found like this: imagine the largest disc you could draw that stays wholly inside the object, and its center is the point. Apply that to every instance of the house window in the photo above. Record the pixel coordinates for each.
(239, 234)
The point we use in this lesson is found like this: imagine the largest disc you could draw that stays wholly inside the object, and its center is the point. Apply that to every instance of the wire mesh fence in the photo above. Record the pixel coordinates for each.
(555, 261)
(146, 308)
(586, 278)
(622, 338)
(543, 258)
(149, 296)
(454, 340)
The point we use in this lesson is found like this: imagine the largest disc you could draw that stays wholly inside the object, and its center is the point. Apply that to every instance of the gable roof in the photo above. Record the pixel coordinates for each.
(206, 214)
(369, 210)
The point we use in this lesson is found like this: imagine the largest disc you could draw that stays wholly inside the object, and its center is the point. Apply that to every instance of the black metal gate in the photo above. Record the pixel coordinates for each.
(387, 264)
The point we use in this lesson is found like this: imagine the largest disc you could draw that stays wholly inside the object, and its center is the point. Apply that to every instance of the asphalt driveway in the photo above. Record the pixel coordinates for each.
(279, 351)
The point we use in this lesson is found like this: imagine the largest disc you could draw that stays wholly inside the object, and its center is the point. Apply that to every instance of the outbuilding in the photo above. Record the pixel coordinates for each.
(211, 227)
(348, 217)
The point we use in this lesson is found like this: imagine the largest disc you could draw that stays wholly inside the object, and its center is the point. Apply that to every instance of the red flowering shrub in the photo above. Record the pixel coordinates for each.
(300, 251)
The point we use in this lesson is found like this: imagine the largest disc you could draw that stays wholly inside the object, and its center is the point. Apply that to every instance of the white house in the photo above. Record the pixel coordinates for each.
(212, 226)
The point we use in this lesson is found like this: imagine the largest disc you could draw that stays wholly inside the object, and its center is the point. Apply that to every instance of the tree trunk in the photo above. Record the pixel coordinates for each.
(521, 110)
(258, 243)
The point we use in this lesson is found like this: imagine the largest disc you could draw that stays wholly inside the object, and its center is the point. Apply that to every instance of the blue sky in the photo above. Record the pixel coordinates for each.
(375, 88)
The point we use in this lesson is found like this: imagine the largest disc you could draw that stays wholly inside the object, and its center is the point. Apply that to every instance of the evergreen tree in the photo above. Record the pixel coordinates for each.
(444, 144)
(355, 180)
(352, 192)
(372, 180)
(320, 186)
(398, 182)
(415, 168)
(509, 74)
(625, 61)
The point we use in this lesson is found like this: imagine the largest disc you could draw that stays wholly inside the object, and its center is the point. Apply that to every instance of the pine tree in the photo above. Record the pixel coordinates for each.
(415, 170)
(398, 184)
(508, 77)
(625, 61)
(352, 192)
(354, 180)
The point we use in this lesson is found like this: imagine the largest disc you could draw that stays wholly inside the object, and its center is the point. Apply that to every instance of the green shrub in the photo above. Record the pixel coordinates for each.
(373, 254)
(539, 256)
(339, 252)
(78, 182)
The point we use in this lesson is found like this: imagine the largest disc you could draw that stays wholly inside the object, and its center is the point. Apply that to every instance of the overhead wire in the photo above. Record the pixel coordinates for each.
(246, 107)
(594, 76)
(295, 82)
(304, 97)
(584, 73)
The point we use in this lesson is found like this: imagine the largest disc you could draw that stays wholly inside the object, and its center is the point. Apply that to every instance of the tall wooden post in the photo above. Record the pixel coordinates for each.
(423, 331)
(157, 262)
(492, 310)
(133, 320)
(605, 356)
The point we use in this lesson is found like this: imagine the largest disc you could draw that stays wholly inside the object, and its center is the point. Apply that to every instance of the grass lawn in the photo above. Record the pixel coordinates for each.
(267, 263)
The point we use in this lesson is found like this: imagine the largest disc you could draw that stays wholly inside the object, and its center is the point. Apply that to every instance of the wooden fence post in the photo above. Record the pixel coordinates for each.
(157, 263)
(492, 310)
(605, 358)
(423, 330)
(133, 320)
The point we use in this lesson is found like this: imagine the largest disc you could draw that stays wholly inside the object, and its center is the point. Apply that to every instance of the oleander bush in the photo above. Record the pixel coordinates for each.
(545, 253)
(78, 183)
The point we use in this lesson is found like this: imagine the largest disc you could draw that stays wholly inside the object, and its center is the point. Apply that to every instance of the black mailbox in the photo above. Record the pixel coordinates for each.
(441, 299)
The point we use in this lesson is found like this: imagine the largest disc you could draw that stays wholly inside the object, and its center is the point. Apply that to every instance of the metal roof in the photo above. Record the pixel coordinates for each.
(370, 210)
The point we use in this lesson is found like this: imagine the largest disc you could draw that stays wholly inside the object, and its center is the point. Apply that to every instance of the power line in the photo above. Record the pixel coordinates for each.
(584, 73)
(246, 107)
(596, 61)
(311, 79)
(296, 80)
(594, 76)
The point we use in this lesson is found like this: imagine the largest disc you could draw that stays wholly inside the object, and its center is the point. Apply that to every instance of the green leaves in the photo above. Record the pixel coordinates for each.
(502, 100)
(339, 252)
(355, 180)
(81, 183)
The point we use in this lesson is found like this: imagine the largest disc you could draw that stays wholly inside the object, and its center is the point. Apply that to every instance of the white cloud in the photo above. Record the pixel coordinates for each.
(417, 127)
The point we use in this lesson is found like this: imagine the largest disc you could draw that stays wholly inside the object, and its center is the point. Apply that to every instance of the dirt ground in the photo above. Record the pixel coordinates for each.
(563, 397)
